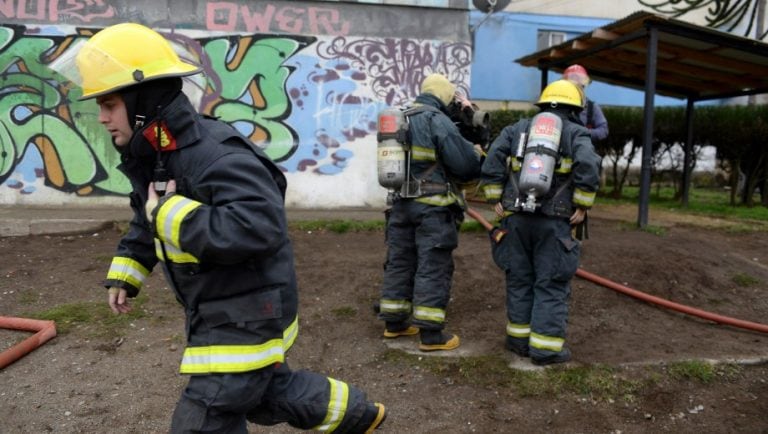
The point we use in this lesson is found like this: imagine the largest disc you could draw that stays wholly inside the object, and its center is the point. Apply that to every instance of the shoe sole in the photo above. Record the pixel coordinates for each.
(380, 416)
(410, 331)
(451, 344)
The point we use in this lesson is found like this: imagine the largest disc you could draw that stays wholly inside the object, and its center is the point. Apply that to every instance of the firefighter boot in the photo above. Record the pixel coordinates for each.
(397, 329)
(373, 417)
(435, 340)
(561, 357)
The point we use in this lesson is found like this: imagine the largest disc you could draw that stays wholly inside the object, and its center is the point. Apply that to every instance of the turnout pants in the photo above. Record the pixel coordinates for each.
(539, 257)
(222, 403)
(419, 267)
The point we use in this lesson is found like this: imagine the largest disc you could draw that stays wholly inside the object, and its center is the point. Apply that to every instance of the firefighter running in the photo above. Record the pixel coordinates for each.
(220, 235)
(542, 176)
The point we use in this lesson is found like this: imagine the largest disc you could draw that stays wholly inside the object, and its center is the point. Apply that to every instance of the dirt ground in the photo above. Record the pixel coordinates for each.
(86, 381)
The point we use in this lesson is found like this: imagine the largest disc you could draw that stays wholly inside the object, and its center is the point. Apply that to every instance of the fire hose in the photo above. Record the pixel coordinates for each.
(45, 331)
(497, 234)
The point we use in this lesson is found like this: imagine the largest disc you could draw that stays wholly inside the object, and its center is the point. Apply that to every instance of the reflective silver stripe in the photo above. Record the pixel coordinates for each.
(429, 313)
(127, 270)
(583, 198)
(231, 358)
(238, 358)
(170, 215)
(395, 306)
(437, 199)
(546, 342)
(290, 334)
(492, 191)
(174, 254)
(518, 330)
(422, 154)
(337, 406)
(565, 166)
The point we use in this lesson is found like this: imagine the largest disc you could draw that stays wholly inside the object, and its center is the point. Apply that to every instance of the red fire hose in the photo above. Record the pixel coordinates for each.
(494, 231)
(45, 331)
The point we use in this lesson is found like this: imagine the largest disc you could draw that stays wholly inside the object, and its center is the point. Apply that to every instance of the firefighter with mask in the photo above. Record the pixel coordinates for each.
(423, 221)
(541, 174)
(209, 208)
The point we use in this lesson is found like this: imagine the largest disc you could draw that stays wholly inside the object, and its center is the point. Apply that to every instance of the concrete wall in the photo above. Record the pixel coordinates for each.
(304, 79)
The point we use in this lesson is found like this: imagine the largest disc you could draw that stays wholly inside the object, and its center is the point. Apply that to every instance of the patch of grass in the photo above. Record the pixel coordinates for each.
(702, 372)
(651, 229)
(28, 297)
(339, 226)
(702, 201)
(344, 312)
(599, 382)
(744, 280)
(471, 226)
(101, 321)
(655, 230)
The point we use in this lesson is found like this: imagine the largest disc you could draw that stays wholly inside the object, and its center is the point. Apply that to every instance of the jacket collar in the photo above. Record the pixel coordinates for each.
(431, 100)
(178, 129)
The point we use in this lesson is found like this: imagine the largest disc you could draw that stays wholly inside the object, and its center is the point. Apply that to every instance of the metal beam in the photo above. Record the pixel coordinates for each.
(650, 92)
(688, 151)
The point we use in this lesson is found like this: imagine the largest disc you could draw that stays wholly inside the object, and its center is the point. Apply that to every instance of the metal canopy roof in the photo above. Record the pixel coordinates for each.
(693, 62)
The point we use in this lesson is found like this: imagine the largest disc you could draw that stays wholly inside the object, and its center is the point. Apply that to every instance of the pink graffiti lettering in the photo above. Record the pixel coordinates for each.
(258, 22)
(228, 16)
(326, 18)
(73, 8)
(288, 20)
(53, 10)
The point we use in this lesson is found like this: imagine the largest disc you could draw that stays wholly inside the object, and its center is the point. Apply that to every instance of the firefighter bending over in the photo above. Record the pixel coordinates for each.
(422, 157)
(542, 176)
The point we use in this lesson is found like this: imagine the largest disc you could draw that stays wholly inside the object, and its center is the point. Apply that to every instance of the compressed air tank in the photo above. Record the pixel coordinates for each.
(391, 152)
(540, 158)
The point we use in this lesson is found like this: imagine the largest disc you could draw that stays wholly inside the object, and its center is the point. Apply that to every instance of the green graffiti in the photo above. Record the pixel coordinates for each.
(30, 100)
(247, 85)
(252, 89)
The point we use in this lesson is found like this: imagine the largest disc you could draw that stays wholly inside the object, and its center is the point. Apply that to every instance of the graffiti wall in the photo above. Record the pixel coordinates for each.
(302, 81)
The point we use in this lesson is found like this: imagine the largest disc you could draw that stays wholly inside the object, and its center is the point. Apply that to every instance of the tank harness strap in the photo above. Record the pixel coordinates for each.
(426, 188)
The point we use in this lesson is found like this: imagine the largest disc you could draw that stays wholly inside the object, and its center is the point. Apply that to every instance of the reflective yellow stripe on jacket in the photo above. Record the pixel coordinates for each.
(223, 359)
(169, 218)
(337, 406)
(583, 198)
(127, 270)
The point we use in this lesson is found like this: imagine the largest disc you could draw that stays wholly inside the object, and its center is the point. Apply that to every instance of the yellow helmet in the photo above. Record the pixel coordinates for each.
(562, 92)
(123, 55)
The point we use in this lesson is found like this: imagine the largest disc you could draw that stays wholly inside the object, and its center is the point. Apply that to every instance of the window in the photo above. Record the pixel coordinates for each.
(548, 39)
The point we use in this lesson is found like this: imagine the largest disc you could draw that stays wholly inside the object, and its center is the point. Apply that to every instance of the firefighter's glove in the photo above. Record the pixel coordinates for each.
(118, 300)
(153, 198)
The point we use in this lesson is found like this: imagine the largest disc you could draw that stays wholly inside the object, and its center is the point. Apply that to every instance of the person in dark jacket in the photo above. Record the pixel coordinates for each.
(592, 115)
(422, 224)
(539, 254)
(219, 232)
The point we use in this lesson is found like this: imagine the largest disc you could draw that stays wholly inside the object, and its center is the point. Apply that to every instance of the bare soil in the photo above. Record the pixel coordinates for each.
(91, 380)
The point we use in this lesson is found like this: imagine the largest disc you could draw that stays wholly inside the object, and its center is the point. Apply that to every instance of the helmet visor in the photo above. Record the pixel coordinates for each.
(98, 72)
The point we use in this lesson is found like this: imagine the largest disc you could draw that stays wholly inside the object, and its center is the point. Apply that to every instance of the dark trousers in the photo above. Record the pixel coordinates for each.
(222, 403)
(419, 268)
(540, 258)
